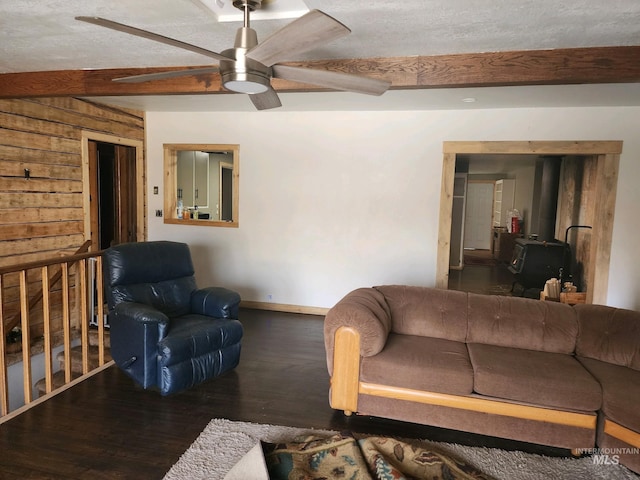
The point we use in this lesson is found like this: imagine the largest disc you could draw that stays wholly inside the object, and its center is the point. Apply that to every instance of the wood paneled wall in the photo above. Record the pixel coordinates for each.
(577, 206)
(43, 215)
(42, 195)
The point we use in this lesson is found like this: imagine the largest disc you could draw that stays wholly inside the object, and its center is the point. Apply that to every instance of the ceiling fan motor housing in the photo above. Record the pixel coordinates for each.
(242, 74)
(252, 5)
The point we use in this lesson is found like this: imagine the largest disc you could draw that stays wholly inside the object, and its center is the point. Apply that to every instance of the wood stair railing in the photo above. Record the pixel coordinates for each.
(71, 321)
(59, 379)
(35, 299)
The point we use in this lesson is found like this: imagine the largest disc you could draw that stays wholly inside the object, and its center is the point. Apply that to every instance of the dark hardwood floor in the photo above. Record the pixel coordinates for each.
(483, 274)
(106, 427)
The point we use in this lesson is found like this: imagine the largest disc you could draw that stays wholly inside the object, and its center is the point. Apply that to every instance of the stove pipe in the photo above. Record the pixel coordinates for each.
(549, 198)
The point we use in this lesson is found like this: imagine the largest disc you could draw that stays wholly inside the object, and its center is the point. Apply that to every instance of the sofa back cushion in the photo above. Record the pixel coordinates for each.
(522, 323)
(609, 334)
(427, 312)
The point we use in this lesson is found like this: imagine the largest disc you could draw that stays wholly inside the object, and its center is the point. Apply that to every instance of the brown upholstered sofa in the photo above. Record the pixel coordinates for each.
(523, 369)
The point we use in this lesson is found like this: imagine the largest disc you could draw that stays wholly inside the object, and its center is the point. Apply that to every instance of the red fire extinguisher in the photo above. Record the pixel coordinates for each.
(515, 225)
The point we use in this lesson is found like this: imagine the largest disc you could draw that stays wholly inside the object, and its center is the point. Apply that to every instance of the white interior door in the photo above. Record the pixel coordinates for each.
(478, 212)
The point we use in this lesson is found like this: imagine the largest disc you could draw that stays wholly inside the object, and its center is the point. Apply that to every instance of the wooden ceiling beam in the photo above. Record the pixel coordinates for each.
(532, 67)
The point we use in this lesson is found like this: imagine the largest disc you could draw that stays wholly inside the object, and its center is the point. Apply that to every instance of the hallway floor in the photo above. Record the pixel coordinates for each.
(492, 278)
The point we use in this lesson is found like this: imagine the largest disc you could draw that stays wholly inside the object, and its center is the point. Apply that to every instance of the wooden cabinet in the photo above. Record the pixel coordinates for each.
(193, 178)
(503, 198)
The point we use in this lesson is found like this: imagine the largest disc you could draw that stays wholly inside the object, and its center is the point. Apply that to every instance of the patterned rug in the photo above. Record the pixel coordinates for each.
(342, 456)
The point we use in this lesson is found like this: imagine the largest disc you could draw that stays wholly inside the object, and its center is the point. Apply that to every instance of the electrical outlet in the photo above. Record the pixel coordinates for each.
(155, 190)
(158, 213)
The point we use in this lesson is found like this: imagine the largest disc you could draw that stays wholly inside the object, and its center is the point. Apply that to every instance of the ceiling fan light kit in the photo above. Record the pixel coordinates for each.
(241, 74)
(249, 66)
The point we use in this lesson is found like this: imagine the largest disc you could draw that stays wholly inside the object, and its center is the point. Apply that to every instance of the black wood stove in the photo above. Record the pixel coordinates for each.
(534, 262)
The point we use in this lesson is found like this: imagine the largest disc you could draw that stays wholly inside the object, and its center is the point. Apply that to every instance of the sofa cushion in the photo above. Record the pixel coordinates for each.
(428, 312)
(522, 323)
(609, 334)
(620, 391)
(421, 363)
(544, 378)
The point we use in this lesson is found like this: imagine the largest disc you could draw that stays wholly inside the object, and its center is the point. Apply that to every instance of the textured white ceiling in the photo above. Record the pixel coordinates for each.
(37, 35)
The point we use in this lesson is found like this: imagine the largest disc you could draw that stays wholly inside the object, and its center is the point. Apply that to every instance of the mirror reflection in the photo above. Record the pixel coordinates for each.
(201, 184)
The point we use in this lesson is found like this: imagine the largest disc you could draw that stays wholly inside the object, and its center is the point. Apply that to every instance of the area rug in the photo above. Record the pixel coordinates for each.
(223, 443)
(344, 456)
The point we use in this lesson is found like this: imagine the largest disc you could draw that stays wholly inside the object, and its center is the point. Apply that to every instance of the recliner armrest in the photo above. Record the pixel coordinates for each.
(141, 313)
(216, 302)
(136, 329)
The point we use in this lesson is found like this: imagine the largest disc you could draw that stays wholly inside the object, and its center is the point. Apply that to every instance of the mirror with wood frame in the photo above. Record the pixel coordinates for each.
(201, 184)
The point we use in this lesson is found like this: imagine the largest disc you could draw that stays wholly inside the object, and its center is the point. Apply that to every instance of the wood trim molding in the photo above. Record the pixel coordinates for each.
(572, 147)
(283, 307)
(444, 229)
(482, 405)
(170, 164)
(622, 433)
(88, 135)
(600, 256)
(530, 67)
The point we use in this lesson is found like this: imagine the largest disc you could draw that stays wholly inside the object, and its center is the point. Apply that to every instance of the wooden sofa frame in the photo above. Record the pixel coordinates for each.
(346, 386)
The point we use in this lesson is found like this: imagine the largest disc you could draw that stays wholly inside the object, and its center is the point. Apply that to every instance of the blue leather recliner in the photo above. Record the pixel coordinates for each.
(165, 332)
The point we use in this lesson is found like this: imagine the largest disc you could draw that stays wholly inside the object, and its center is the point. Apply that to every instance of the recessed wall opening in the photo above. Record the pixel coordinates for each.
(586, 190)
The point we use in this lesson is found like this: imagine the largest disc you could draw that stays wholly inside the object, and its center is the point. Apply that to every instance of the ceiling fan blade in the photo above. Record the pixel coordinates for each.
(103, 22)
(148, 77)
(310, 30)
(335, 80)
(266, 100)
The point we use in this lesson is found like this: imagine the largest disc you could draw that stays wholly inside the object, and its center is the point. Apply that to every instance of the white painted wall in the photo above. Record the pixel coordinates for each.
(15, 377)
(332, 201)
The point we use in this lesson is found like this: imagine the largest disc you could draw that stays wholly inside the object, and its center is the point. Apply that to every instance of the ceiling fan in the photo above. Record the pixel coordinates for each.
(249, 66)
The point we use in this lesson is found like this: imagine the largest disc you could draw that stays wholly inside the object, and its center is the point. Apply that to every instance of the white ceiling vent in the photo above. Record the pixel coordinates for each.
(270, 10)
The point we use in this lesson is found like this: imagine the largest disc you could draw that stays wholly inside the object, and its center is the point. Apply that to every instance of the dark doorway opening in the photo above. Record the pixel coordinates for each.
(226, 214)
(113, 197)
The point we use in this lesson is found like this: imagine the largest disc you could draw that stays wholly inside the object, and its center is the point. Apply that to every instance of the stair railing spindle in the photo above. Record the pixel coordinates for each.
(66, 322)
(100, 312)
(46, 318)
(26, 337)
(4, 385)
(84, 315)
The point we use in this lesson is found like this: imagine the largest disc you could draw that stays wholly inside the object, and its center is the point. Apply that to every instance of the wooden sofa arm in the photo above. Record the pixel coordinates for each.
(357, 326)
(345, 380)
(365, 311)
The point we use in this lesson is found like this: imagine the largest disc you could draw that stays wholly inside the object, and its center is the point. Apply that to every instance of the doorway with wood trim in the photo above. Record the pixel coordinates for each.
(114, 201)
(603, 157)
